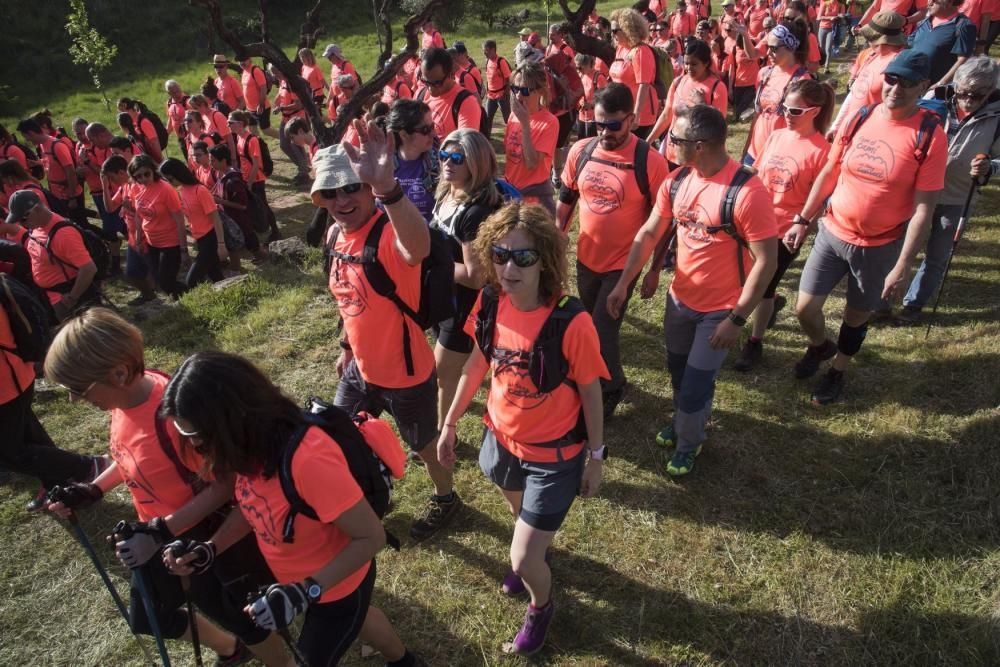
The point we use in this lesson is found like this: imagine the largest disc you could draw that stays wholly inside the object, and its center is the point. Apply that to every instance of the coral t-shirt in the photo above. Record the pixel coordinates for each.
(396, 89)
(14, 152)
(16, 374)
(867, 86)
(829, 10)
(444, 122)
(95, 156)
(707, 276)
(324, 481)
(879, 175)
(216, 122)
(544, 135)
(151, 477)
(516, 411)
(681, 24)
(57, 158)
(591, 84)
(155, 205)
(432, 40)
(755, 19)
(373, 323)
(175, 116)
(633, 67)
(230, 91)
(147, 132)
(252, 83)
(347, 67)
(286, 97)
(469, 78)
(612, 208)
(747, 68)
(198, 206)
(67, 245)
(247, 155)
(686, 92)
(769, 99)
(497, 77)
(788, 166)
(314, 76)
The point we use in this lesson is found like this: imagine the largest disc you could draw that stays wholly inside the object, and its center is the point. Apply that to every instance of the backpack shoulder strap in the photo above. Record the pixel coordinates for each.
(548, 366)
(486, 320)
(727, 215)
(711, 94)
(456, 105)
(641, 174)
(928, 122)
(857, 120)
(675, 184)
(585, 155)
(296, 504)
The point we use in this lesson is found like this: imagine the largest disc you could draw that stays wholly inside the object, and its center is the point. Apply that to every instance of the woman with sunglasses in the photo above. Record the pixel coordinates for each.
(416, 159)
(466, 196)
(99, 358)
(787, 49)
(797, 11)
(698, 85)
(592, 81)
(792, 159)
(531, 137)
(533, 447)
(202, 214)
(635, 66)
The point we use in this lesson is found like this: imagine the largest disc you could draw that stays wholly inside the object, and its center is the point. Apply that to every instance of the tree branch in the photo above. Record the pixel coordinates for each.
(574, 34)
(311, 30)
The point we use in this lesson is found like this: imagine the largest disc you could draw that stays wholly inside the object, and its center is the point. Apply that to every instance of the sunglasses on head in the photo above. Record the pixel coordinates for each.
(797, 111)
(896, 80)
(521, 91)
(428, 82)
(331, 193)
(426, 130)
(523, 257)
(455, 158)
(611, 125)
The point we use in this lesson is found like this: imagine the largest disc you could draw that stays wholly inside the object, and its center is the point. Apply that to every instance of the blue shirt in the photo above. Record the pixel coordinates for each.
(944, 44)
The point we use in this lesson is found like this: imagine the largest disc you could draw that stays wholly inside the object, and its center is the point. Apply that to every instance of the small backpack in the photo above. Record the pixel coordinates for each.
(456, 106)
(96, 248)
(371, 449)
(15, 261)
(664, 71)
(266, 163)
(638, 164)
(507, 191)
(437, 279)
(221, 107)
(162, 135)
(29, 319)
(727, 210)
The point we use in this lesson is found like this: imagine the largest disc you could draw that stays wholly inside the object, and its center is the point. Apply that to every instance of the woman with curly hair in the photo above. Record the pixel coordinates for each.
(635, 66)
(543, 442)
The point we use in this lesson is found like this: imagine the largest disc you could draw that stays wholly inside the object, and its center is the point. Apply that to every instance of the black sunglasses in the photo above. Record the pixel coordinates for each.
(674, 139)
(426, 130)
(896, 80)
(971, 95)
(611, 125)
(523, 257)
(331, 193)
(521, 91)
(428, 82)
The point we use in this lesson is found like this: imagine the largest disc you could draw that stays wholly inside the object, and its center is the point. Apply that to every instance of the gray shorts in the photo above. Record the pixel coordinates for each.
(414, 408)
(865, 267)
(549, 488)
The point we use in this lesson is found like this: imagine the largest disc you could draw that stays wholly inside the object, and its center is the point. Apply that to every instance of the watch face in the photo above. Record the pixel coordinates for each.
(314, 592)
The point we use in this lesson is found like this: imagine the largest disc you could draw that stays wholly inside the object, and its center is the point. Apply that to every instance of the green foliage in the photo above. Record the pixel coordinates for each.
(89, 47)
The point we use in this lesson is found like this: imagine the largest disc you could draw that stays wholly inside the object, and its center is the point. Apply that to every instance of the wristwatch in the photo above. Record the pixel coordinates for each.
(736, 319)
(599, 454)
(313, 589)
(799, 220)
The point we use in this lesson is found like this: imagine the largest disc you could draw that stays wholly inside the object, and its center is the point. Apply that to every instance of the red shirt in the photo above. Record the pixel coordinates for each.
(497, 77)
(16, 375)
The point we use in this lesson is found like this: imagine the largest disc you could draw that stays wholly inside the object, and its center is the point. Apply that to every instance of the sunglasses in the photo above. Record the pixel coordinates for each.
(186, 434)
(428, 82)
(521, 91)
(970, 95)
(677, 141)
(80, 394)
(797, 111)
(789, 18)
(896, 80)
(455, 158)
(772, 48)
(426, 130)
(611, 125)
(331, 193)
(220, 67)
(523, 257)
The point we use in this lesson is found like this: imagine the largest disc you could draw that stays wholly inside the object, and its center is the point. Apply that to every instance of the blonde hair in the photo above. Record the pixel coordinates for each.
(537, 222)
(307, 57)
(88, 346)
(482, 163)
(532, 76)
(632, 24)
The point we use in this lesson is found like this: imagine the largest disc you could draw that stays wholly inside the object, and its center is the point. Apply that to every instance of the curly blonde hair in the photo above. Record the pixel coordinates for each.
(632, 24)
(550, 243)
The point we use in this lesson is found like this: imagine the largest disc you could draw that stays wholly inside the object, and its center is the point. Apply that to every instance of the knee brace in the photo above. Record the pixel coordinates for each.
(850, 339)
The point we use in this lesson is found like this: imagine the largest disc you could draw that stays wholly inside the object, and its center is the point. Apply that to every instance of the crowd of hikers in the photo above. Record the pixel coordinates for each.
(240, 492)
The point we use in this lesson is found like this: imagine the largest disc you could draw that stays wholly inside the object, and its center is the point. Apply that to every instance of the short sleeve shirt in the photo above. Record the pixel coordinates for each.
(247, 155)
(867, 86)
(497, 77)
(944, 42)
(66, 245)
(544, 134)
(57, 158)
(198, 206)
(413, 178)
(633, 67)
(252, 82)
(314, 75)
(230, 91)
(770, 98)
(788, 167)
(444, 121)
(155, 206)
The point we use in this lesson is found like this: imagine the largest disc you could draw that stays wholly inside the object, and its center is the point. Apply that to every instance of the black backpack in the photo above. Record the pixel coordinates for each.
(29, 319)
(266, 163)
(371, 474)
(727, 210)
(456, 106)
(37, 171)
(437, 279)
(162, 135)
(221, 107)
(258, 210)
(96, 247)
(15, 261)
(638, 164)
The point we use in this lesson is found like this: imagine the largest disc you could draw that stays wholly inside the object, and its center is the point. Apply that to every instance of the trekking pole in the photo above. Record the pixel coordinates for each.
(124, 531)
(84, 541)
(959, 229)
(176, 550)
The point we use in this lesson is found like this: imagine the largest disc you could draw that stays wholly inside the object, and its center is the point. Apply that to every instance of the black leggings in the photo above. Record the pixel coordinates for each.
(331, 627)
(260, 190)
(206, 264)
(164, 263)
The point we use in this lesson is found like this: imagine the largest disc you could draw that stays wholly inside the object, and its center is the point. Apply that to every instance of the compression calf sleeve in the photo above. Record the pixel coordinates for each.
(850, 339)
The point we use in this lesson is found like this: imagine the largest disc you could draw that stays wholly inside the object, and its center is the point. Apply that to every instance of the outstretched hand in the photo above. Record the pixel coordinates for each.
(373, 162)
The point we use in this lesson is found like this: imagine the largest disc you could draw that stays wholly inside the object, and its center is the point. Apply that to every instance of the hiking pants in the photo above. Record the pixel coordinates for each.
(931, 272)
(693, 367)
(206, 265)
(502, 103)
(594, 289)
(294, 152)
(164, 263)
(260, 190)
(27, 449)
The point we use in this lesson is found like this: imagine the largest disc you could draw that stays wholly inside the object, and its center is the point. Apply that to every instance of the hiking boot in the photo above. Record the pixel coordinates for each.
(436, 515)
(807, 366)
(531, 637)
(666, 437)
(681, 463)
(779, 304)
(240, 656)
(751, 353)
(38, 503)
(881, 316)
(908, 316)
(611, 399)
(301, 179)
(829, 387)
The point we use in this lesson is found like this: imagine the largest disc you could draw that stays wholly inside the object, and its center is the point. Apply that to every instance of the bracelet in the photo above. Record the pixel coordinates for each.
(736, 319)
(391, 197)
(451, 425)
(799, 220)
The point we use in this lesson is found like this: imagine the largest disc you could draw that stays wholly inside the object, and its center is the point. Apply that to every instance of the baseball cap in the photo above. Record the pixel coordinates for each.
(333, 170)
(332, 50)
(20, 205)
(910, 64)
(459, 47)
(727, 3)
(525, 31)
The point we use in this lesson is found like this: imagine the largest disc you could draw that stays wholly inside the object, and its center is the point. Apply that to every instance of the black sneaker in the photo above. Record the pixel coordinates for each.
(779, 304)
(751, 353)
(436, 515)
(807, 366)
(829, 387)
(908, 316)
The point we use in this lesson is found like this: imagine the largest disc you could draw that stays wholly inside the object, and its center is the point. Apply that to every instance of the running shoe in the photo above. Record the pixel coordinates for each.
(531, 637)
(829, 388)
(807, 366)
(681, 463)
(666, 437)
(436, 514)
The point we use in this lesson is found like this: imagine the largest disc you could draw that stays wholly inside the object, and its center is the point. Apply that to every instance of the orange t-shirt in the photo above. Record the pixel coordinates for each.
(175, 117)
(433, 40)
(755, 19)
(788, 166)
(591, 84)
(633, 67)
(879, 175)
(544, 135)
(198, 206)
(314, 75)
(57, 158)
(867, 86)
(216, 122)
(707, 274)
(230, 91)
(145, 128)
(67, 245)
(13, 152)
(285, 97)
(16, 374)
(747, 68)
(685, 92)
(252, 83)
(396, 89)
(516, 412)
(155, 205)
(769, 99)
(830, 9)
(337, 70)
(92, 172)
(151, 477)
(681, 24)
(497, 77)
(444, 122)
(324, 481)
(469, 78)
(374, 325)
(612, 209)
(248, 154)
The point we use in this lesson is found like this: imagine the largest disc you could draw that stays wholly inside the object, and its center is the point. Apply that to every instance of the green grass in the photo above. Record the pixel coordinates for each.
(864, 533)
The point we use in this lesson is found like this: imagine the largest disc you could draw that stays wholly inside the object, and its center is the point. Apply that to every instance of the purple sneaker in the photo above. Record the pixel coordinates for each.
(512, 584)
(531, 638)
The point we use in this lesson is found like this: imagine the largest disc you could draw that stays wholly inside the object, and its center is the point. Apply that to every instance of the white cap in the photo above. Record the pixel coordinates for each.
(332, 50)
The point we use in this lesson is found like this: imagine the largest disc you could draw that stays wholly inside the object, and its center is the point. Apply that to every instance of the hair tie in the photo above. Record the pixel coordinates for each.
(785, 36)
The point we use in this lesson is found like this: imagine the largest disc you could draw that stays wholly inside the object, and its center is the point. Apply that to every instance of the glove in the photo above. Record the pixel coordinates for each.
(76, 496)
(141, 541)
(204, 553)
(279, 605)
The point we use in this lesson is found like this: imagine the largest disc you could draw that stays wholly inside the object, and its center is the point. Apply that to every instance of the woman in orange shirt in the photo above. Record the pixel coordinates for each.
(241, 423)
(544, 439)
(202, 214)
(314, 75)
(531, 137)
(592, 81)
(635, 66)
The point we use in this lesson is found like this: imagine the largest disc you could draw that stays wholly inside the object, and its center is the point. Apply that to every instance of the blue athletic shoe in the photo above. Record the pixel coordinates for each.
(681, 463)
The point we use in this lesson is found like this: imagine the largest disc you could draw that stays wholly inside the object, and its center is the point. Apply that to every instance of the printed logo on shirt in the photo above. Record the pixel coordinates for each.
(603, 191)
(870, 160)
(514, 147)
(770, 98)
(695, 237)
(139, 486)
(521, 391)
(780, 173)
(257, 511)
(352, 297)
(861, 85)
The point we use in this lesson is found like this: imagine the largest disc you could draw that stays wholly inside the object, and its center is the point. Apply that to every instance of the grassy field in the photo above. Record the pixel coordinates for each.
(864, 533)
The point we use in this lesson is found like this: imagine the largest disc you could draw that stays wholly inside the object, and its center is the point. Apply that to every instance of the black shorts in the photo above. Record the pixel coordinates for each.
(785, 259)
(263, 119)
(451, 336)
(330, 628)
(565, 127)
